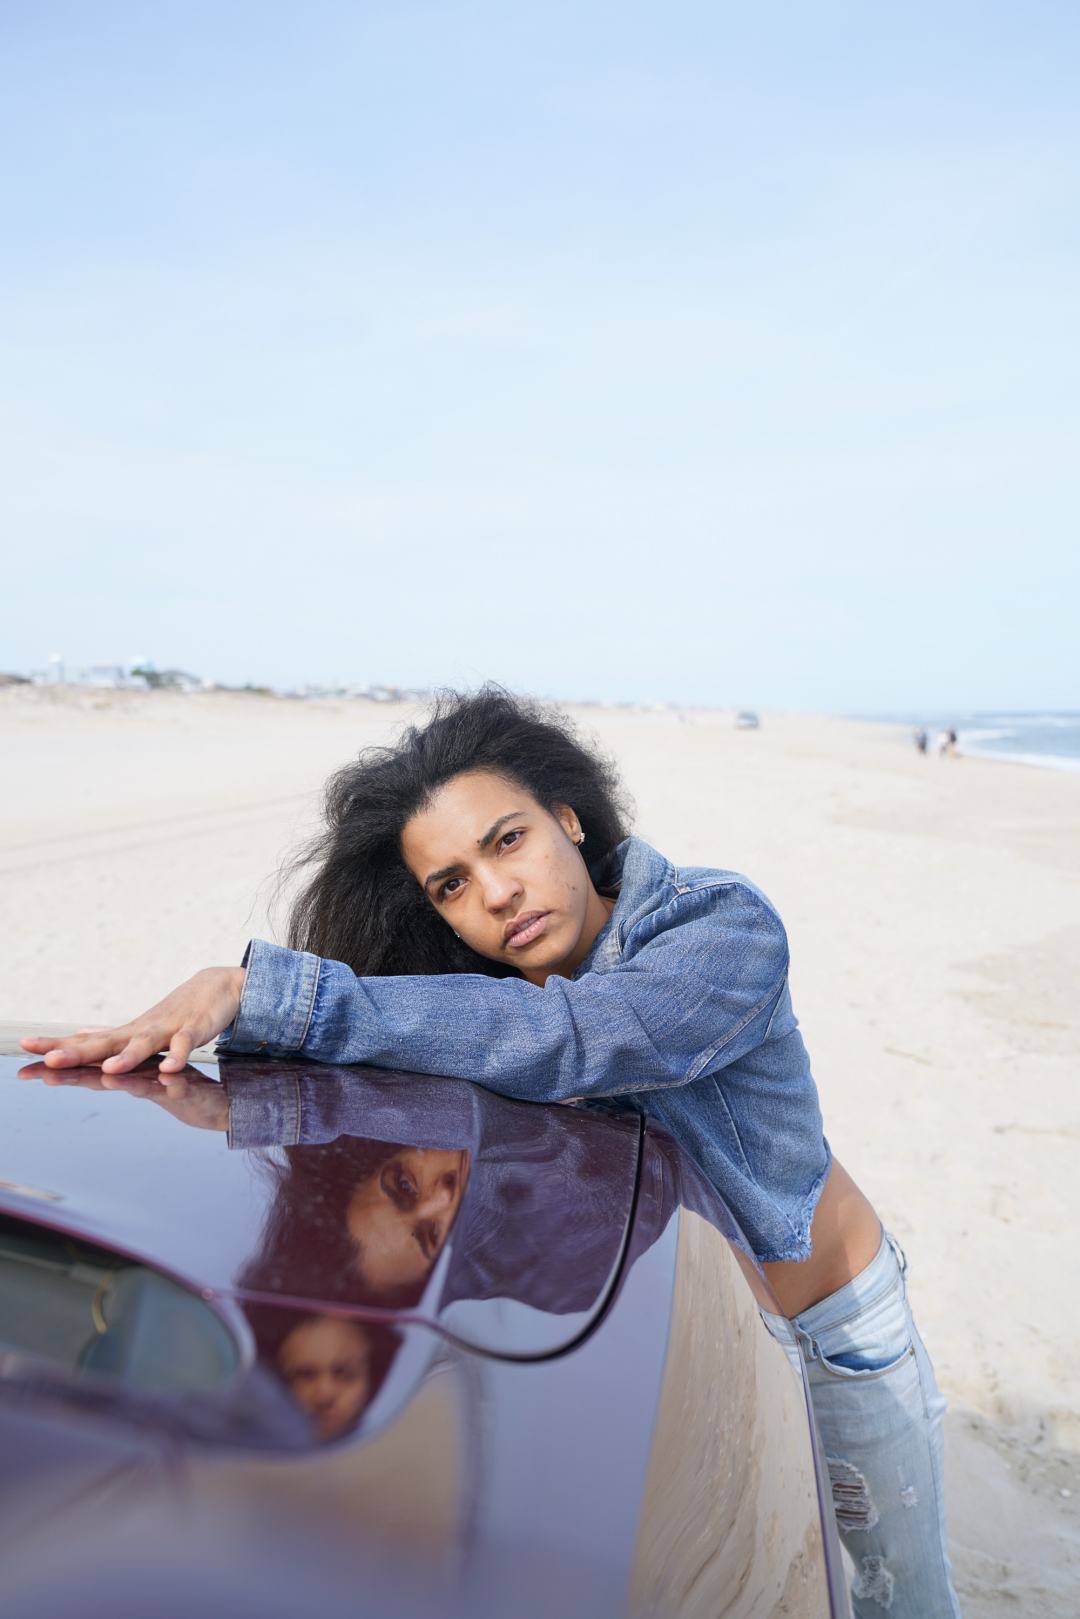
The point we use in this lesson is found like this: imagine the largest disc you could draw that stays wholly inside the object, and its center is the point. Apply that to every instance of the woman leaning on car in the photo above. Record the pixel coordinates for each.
(474, 907)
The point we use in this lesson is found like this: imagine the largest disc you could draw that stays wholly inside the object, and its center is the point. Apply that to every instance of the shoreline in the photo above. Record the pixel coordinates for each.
(1055, 762)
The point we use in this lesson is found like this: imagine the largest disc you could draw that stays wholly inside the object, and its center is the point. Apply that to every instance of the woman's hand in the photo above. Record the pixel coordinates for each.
(189, 1017)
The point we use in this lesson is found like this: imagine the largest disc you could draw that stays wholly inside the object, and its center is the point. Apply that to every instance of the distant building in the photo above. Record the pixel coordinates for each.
(110, 677)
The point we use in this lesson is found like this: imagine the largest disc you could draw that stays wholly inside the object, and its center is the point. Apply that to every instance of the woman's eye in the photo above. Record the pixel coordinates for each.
(505, 840)
(448, 890)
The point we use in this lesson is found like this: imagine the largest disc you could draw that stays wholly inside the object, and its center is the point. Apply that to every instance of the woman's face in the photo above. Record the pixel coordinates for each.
(327, 1366)
(506, 874)
(399, 1217)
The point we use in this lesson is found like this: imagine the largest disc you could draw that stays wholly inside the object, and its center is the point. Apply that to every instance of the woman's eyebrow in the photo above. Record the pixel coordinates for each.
(481, 843)
(493, 831)
(437, 876)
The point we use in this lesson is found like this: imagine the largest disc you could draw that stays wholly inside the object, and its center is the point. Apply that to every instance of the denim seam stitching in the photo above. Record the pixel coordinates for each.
(938, 1502)
(775, 1010)
(860, 1308)
(297, 1111)
(734, 1129)
(311, 1001)
(707, 1057)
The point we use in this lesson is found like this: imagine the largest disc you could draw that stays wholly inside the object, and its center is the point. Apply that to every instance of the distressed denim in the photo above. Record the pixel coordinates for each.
(879, 1413)
(681, 1009)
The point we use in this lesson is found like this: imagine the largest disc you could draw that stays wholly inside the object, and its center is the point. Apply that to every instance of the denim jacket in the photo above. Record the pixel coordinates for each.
(681, 1009)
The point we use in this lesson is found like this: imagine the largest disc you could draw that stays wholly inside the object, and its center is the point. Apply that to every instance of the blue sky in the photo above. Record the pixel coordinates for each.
(700, 352)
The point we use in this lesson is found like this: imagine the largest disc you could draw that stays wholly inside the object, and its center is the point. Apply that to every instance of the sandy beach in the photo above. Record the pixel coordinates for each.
(933, 907)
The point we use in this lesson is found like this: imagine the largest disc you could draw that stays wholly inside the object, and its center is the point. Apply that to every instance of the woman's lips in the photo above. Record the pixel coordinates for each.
(527, 928)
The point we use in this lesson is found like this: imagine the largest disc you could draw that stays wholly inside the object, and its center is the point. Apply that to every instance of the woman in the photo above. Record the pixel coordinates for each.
(476, 909)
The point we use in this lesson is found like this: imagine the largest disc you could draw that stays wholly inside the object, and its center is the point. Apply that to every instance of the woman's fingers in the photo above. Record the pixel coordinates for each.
(141, 1044)
(180, 1049)
(78, 1050)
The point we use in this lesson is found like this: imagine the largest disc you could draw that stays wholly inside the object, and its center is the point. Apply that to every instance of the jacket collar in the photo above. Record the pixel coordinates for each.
(637, 874)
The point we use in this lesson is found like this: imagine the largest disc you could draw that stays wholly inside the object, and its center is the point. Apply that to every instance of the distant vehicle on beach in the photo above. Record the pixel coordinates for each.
(413, 1345)
(747, 720)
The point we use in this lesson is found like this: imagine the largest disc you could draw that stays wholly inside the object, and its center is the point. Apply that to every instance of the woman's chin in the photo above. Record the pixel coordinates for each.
(549, 962)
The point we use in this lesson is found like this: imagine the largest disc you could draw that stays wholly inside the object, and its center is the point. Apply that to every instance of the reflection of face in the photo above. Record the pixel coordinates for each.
(506, 874)
(327, 1365)
(399, 1217)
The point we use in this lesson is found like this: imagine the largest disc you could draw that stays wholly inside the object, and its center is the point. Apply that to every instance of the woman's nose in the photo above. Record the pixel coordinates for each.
(435, 1200)
(500, 890)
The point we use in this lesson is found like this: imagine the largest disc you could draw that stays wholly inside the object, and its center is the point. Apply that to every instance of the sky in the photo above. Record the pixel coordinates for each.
(702, 352)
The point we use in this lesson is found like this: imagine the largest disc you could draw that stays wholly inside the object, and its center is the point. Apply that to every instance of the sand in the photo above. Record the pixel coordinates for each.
(934, 914)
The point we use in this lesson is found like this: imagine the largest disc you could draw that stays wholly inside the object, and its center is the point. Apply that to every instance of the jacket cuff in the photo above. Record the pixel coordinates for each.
(277, 1000)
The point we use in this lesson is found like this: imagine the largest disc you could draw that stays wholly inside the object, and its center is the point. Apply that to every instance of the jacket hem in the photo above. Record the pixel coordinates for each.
(801, 1246)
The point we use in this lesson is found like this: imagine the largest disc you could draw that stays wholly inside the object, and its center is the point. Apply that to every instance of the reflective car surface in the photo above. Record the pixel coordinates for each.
(456, 1354)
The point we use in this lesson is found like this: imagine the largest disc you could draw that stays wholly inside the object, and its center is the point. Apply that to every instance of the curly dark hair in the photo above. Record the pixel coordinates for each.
(362, 905)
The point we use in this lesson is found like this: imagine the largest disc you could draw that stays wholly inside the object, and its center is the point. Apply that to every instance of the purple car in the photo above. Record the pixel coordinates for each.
(295, 1338)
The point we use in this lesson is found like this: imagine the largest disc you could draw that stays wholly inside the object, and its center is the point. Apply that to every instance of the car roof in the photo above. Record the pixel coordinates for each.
(531, 1258)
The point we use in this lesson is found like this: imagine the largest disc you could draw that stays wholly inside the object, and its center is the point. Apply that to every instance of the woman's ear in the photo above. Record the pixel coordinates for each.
(569, 823)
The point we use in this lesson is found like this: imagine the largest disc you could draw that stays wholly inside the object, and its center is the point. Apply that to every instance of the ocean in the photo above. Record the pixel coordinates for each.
(1049, 740)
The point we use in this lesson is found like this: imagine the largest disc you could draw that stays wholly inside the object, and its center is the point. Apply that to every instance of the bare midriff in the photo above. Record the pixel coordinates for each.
(845, 1235)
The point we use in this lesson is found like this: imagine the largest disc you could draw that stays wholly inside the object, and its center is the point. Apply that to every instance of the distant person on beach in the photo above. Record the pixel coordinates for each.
(922, 741)
(475, 907)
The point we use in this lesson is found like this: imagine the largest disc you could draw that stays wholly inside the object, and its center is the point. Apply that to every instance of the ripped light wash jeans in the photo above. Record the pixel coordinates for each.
(879, 1415)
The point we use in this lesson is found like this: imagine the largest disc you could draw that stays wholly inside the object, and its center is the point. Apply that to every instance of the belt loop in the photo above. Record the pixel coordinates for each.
(901, 1257)
(806, 1342)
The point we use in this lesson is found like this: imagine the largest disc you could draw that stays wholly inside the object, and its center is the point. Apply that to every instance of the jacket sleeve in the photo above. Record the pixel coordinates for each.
(695, 990)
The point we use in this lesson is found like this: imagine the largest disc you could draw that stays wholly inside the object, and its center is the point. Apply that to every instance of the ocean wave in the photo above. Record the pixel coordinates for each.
(1030, 722)
(979, 736)
(1042, 761)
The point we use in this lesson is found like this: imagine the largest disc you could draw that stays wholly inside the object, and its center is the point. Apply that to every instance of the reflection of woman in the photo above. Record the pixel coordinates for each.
(476, 909)
(353, 1222)
(549, 1189)
(327, 1364)
(359, 1221)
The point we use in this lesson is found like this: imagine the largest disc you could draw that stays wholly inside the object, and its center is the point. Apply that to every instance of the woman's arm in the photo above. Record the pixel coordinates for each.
(695, 990)
(696, 995)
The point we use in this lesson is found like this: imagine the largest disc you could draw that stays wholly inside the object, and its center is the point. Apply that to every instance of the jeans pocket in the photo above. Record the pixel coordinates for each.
(861, 1366)
(870, 1343)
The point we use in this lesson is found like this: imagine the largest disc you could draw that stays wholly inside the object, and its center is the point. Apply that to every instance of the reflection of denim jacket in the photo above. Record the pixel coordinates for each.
(681, 1008)
(549, 1191)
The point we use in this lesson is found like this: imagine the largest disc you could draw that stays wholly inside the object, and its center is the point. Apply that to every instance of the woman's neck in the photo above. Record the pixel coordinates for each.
(597, 912)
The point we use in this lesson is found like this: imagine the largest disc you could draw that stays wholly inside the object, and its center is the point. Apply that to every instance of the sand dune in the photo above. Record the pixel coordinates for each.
(934, 913)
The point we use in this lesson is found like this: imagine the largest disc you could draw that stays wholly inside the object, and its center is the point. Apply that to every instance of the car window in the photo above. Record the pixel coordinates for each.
(91, 1314)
